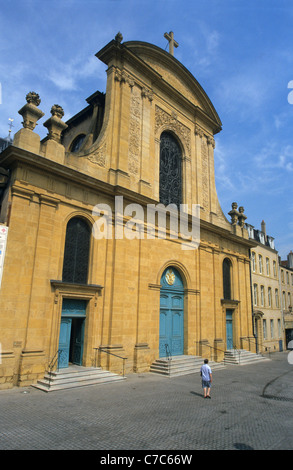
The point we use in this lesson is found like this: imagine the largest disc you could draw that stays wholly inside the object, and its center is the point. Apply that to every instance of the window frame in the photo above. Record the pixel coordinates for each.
(76, 251)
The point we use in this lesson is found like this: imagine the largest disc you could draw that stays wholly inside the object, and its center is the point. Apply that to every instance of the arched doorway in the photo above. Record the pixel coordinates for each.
(171, 313)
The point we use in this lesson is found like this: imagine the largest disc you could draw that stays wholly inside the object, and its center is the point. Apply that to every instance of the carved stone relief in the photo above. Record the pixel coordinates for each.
(167, 121)
(99, 157)
(135, 130)
(205, 173)
(123, 77)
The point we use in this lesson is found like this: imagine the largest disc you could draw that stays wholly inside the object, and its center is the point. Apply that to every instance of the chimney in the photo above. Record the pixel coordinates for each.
(290, 260)
(263, 228)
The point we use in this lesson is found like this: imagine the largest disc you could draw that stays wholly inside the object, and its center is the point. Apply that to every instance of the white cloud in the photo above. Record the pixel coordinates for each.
(63, 81)
(243, 94)
(203, 47)
(272, 158)
(66, 76)
(223, 173)
(212, 40)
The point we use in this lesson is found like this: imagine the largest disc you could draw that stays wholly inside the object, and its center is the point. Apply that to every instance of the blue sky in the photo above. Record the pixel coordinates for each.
(240, 51)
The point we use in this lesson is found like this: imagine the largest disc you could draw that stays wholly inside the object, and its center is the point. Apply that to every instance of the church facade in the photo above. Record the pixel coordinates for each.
(96, 268)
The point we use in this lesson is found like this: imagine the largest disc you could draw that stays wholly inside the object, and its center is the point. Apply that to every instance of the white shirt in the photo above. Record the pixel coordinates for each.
(206, 372)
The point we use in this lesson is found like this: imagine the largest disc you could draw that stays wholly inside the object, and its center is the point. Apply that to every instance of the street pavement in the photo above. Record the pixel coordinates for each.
(251, 409)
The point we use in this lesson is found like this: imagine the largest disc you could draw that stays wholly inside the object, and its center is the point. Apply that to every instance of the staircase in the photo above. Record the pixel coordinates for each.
(75, 376)
(181, 365)
(242, 357)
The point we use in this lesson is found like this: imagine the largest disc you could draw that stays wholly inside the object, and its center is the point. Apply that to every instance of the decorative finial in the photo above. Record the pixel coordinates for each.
(54, 124)
(10, 127)
(57, 110)
(119, 37)
(30, 112)
(241, 216)
(234, 213)
(33, 98)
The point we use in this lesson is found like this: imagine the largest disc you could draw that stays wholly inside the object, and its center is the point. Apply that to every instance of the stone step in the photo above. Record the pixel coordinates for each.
(242, 357)
(181, 365)
(75, 376)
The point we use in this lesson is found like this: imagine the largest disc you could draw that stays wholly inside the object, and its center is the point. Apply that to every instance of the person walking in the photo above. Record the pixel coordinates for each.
(206, 378)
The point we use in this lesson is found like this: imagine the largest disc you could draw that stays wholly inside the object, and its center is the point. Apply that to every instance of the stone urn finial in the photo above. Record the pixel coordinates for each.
(119, 37)
(234, 213)
(57, 110)
(30, 112)
(241, 217)
(55, 125)
(33, 98)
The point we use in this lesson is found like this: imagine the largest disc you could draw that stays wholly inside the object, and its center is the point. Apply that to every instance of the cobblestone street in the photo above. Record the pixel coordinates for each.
(251, 408)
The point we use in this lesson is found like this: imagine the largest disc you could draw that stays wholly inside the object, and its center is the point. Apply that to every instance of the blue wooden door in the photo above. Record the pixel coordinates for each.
(171, 314)
(71, 337)
(77, 341)
(229, 329)
(64, 342)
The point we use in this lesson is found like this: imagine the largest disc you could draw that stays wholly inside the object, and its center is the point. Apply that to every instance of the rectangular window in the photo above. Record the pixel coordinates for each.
(275, 268)
(268, 266)
(284, 300)
(260, 264)
(262, 296)
(272, 328)
(279, 328)
(277, 298)
(264, 327)
(270, 296)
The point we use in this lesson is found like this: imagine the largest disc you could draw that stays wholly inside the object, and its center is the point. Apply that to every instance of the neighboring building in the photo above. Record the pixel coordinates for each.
(4, 143)
(286, 292)
(4, 176)
(267, 314)
(80, 271)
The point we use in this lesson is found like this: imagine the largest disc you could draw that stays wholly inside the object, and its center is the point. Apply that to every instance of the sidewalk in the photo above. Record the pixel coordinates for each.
(251, 408)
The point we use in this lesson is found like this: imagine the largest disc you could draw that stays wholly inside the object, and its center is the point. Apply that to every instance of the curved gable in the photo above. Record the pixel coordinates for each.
(176, 75)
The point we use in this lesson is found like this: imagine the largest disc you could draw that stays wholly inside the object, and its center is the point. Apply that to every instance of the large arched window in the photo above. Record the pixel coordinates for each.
(227, 279)
(76, 251)
(170, 170)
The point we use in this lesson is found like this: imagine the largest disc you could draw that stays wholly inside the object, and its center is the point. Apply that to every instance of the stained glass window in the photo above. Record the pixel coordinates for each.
(76, 252)
(170, 170)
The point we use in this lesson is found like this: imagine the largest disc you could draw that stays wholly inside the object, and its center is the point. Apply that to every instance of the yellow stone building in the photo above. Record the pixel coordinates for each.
(286, 293)
(82, 270)
(267, 312)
